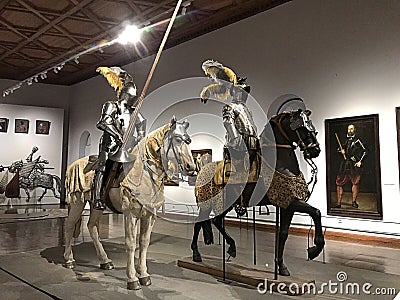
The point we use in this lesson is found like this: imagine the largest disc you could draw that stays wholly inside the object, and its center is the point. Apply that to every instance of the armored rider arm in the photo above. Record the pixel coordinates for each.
(107, 121)
(216, 89)
(233, 135)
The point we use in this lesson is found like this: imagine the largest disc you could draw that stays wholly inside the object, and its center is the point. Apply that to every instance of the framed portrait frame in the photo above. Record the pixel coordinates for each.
(398, 135)
(201, 157)
(21, 126)
(42, 127)
(354, 172)
(4, 124)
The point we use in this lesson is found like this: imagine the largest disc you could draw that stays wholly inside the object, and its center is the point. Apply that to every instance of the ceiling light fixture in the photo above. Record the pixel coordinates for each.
(131, 34)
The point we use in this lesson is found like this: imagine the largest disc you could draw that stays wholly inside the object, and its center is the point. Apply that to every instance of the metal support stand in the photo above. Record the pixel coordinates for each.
(254, 237)
(277, 229)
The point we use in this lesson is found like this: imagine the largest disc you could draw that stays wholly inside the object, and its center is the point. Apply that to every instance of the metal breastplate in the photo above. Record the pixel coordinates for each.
(244, 122)
(122, 118)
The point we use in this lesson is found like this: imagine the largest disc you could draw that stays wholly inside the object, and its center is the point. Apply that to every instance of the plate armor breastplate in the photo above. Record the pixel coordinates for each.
(244, 122)
(122, 118)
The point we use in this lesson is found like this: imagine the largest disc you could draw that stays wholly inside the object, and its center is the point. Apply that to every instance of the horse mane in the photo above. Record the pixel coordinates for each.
(153, 142)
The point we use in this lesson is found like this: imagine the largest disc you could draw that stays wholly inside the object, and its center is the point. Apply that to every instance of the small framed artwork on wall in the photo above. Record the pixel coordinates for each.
(3, 124)
(21, 126)
(42, 127)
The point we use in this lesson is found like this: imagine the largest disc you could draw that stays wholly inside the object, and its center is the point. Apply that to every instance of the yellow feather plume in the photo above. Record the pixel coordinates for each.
(112, 78)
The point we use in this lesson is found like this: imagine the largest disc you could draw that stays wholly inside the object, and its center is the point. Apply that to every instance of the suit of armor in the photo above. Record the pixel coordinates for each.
(114, 122)
(241, 131)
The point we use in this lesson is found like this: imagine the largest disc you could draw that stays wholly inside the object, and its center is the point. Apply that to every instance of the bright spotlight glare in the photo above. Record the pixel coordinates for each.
(131, 34)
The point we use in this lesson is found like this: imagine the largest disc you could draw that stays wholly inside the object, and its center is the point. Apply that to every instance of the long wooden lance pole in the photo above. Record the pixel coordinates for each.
(132, 121)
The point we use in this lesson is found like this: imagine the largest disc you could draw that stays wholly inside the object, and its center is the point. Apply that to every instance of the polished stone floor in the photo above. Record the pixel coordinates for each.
(31, 263)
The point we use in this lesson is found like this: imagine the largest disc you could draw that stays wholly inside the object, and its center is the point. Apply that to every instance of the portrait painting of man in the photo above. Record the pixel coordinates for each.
(353, 167)
(21, 126)
(42, 127)
(3, 124)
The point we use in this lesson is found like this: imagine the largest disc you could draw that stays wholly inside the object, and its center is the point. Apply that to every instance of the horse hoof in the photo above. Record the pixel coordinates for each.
(107, 266)
(283, 270)
(197, 257)
(232, 250)
(145, 281)
(314, 251)
(134, 285)
(69, 265)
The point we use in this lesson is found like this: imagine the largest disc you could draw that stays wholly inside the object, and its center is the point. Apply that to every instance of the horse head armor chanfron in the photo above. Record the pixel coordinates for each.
(300, 130)
(175, 153)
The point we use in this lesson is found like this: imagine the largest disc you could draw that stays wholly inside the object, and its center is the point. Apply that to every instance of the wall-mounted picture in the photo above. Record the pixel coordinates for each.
(3, 124)
(201, 157)
(353, 176)
(21, 126)
(42, 127)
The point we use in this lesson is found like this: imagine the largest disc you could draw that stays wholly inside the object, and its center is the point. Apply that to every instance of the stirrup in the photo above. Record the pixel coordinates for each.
(240, 210)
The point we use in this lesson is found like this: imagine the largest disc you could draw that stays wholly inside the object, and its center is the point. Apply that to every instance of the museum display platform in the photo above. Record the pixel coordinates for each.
(31, 263)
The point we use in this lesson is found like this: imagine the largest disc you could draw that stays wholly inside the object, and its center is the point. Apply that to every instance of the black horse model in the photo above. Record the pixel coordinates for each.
(284, 184)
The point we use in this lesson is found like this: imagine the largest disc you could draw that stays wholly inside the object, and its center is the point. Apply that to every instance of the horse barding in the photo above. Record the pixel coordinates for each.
(138, 196)
(280, 183)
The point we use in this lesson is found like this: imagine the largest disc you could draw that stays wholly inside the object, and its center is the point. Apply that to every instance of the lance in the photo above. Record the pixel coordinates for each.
(134, 115)
(340, 146)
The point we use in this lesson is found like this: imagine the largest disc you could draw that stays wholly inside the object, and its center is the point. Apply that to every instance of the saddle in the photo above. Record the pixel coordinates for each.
(92, 164)
(236, 171)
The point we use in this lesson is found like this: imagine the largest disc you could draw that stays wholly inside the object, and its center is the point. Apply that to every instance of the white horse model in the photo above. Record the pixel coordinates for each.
(138, 197)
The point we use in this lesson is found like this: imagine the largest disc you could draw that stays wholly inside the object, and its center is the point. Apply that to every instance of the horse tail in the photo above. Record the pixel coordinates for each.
(58, 185)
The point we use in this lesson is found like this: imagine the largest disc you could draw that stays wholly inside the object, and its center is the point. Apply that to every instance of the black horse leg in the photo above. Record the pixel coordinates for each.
(201, 219)
(315, 214)
(217, 221)
(44, 193)
(286, 220)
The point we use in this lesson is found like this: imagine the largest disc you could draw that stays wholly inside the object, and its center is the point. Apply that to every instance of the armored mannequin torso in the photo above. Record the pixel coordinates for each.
(243, 122)
(114, 122)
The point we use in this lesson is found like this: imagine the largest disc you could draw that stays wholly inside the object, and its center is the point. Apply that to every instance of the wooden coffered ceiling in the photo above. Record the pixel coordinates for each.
(38, 34)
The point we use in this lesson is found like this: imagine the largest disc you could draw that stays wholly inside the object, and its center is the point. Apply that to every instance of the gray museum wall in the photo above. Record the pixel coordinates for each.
(36, 102)
(342, 57)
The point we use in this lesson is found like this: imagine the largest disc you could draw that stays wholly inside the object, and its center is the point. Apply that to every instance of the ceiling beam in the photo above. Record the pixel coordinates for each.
(91, 16)
(4, 3)
(55, 14)
(60, 29)
(47, 27)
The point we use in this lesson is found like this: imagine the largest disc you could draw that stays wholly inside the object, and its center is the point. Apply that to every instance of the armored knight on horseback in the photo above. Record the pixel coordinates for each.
(114, 122)
(241, 131)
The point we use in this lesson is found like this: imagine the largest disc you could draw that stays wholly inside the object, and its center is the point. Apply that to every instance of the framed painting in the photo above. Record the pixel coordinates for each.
(353, 173)
(201, 157)
(21, 126)
(42, 127)
(3, 124)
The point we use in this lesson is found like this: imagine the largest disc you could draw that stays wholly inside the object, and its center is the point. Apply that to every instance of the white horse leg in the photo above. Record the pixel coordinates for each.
(75, 212)
(130, 222)
(147, 221)
(93, 227)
